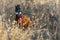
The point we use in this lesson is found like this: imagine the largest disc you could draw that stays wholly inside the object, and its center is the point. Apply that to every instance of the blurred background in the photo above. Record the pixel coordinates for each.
(46, 27)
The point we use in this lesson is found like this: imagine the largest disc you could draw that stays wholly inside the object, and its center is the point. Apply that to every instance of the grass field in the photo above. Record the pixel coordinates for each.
(39, 12)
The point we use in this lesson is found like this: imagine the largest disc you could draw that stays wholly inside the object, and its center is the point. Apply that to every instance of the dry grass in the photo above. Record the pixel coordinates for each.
(38, 11)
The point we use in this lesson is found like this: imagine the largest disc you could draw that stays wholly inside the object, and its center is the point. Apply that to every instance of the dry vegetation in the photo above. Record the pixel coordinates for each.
(38, 11)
